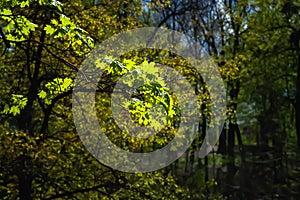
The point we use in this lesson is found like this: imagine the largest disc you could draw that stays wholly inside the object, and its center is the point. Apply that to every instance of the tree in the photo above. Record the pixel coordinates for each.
(41, 154)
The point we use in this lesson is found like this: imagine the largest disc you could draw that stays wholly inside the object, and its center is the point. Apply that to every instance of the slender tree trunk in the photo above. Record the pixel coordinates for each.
(264, 123)
(186, 161)
(232, 130)
(232, 121)
(25, 187)
(203, 127)
(24, 177)
(231, 139)
(25, 123)
(222, 142)
(206, 169)
(26, 114)
(240, 141)
(231, 163)
(192, 156)
(298, 99)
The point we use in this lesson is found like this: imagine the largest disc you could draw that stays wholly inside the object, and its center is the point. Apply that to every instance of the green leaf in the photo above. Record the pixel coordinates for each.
(65, 21)
(6, 109)
(54, 22)
(14, 110)
(6, 12)
(42, 94)
(24, 4)
(49, 29)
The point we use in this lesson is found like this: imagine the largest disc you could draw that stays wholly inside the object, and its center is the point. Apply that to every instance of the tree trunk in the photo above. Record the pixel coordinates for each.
(222, 149)
(24, 177)
(25, 187)
(298, 99)
(231, 139)
(240, 141)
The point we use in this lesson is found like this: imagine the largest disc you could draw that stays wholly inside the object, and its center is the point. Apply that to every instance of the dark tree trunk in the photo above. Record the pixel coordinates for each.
(25, 178)
(232, 130)
(298, 99)
(206, 168)
(240, 141)
(222, 149)
(25, 187)
(231, 139)
(264, 123)
(25, 119)
(186, 161)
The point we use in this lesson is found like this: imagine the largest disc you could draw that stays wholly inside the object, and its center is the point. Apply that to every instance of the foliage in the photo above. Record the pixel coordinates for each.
(41, 154)
(255, 45)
